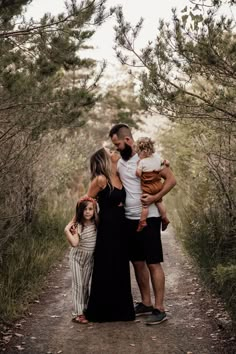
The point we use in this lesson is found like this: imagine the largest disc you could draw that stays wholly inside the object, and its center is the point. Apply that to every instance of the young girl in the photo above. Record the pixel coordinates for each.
(82, 238)
(148, 169)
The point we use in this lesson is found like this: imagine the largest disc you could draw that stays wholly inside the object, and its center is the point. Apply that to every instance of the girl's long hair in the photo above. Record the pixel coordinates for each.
(100, 164)
(79, 212)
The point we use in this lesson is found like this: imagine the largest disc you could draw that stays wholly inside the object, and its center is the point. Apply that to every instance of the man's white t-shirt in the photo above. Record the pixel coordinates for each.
(132, 184)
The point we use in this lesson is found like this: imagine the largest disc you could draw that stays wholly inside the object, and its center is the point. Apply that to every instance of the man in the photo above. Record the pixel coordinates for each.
(145, 246)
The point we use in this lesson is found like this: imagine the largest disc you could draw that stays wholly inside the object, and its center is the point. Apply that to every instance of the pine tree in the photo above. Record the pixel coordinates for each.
(46, 84)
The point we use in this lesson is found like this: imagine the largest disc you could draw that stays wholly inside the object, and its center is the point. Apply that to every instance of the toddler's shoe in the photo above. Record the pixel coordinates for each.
(164, 223)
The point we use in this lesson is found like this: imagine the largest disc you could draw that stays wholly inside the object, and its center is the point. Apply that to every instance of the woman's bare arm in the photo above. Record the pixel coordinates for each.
(96, 185)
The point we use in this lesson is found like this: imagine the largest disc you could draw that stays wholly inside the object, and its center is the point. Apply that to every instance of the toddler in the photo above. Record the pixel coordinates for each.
(148, 170)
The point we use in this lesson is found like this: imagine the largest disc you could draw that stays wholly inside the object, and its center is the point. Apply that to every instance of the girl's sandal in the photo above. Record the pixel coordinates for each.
(80, 319)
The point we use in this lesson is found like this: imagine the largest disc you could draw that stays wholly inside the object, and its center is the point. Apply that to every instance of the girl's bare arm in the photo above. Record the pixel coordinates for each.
(73, 239)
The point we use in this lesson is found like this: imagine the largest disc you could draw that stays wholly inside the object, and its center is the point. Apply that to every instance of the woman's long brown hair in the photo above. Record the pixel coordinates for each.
(100, 164)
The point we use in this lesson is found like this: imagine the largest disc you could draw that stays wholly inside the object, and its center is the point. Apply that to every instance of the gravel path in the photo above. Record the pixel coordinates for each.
(197, 322)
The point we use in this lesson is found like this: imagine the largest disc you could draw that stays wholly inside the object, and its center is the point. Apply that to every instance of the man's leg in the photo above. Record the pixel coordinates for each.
(154, 258)
(142, 277)
(158, 283)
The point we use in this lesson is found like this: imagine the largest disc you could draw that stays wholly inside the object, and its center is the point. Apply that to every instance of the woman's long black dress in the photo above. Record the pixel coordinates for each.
(110, 297)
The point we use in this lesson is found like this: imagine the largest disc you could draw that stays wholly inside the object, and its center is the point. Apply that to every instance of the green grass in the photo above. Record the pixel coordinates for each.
(27, 261)
(207, 237)
(225, 278)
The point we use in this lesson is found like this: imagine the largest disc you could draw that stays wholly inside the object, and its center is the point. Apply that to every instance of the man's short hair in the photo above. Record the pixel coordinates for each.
(121, 130)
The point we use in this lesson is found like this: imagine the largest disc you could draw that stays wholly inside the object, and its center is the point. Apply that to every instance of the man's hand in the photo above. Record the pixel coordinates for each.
(169, 183)
(147, 199)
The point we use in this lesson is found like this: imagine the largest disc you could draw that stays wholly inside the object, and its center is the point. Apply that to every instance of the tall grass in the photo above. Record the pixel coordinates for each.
(205, 233)
(27, 260)
(202, 203)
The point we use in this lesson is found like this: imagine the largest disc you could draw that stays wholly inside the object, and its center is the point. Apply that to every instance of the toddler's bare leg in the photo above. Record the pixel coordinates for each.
(161, 207)
(143, 218)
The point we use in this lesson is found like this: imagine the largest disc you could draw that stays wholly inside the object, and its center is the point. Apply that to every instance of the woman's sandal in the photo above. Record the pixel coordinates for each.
(80, 319)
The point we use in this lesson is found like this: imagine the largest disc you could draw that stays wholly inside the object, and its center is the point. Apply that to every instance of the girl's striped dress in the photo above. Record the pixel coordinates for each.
(81, 263)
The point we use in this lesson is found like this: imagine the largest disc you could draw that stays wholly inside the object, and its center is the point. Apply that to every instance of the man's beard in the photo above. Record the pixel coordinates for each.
(126, 153)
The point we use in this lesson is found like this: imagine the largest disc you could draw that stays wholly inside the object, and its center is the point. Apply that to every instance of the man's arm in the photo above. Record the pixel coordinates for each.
(168, 184)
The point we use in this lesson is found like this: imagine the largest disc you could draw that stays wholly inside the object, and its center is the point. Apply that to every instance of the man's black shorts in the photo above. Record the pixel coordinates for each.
(146, 244)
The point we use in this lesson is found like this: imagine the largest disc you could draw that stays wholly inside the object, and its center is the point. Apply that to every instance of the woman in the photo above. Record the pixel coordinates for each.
(110, 296)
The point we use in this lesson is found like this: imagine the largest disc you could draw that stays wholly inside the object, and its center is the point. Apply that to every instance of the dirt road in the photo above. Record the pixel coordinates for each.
(196, 321)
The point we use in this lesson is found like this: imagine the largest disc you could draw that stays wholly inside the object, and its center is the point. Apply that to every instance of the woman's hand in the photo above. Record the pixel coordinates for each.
(71, 227)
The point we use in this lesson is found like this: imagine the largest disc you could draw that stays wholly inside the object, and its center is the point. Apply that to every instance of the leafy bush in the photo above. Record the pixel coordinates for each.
(225, 278)
(199, 209)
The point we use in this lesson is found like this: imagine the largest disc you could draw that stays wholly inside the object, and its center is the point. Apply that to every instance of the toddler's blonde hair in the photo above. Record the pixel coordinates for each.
(145, 145)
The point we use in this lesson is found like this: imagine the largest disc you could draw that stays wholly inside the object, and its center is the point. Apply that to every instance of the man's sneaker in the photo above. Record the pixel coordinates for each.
(141, 309)
(157, 317)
